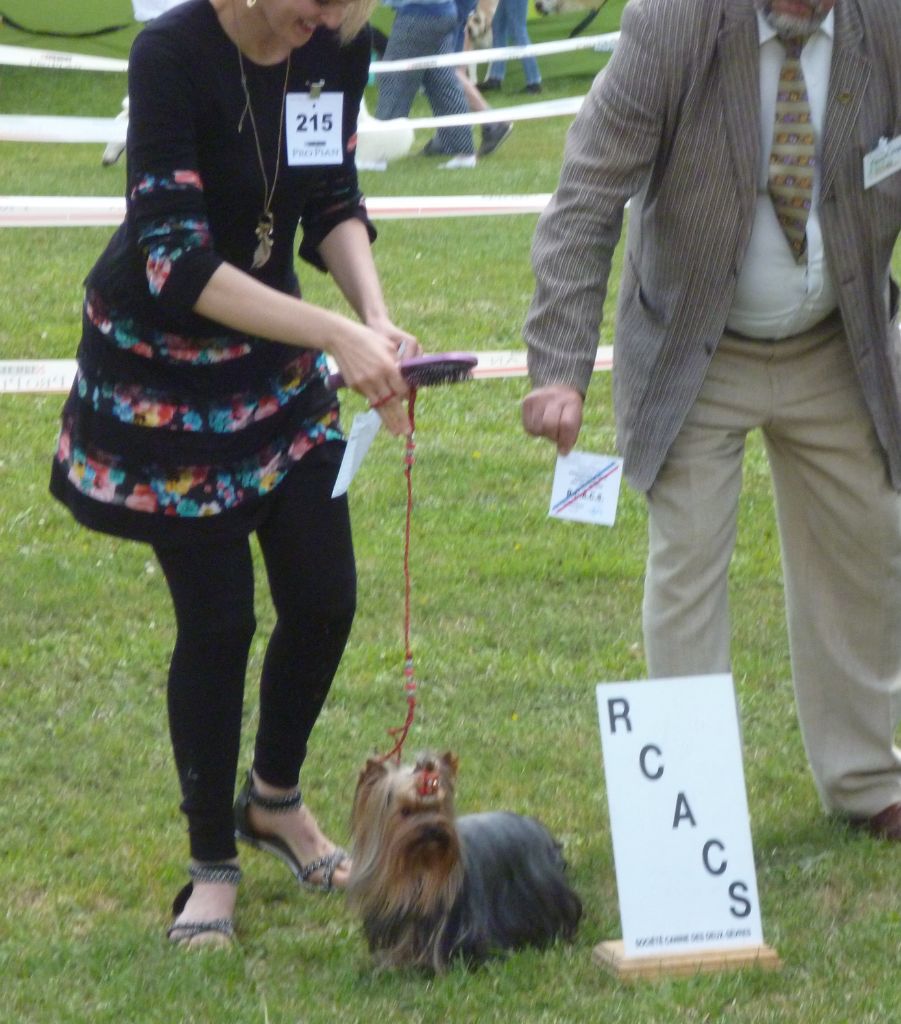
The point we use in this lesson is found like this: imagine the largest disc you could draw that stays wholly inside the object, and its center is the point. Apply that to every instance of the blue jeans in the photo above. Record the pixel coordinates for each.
(509, 29)
(419, 34)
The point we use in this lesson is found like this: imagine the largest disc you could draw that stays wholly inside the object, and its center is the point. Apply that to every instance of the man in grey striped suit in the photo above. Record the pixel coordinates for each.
(723, 328)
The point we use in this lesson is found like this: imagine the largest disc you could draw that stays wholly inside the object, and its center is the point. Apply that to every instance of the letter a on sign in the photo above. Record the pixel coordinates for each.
(679, 816)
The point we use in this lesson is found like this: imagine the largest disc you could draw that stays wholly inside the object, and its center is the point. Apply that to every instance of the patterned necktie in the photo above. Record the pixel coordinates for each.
(793, 156)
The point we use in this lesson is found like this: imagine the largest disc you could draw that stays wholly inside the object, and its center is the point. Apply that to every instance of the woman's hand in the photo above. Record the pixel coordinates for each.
(367, 353)
(345, 251)
(368, 361)
(406, 345)
(368, 357)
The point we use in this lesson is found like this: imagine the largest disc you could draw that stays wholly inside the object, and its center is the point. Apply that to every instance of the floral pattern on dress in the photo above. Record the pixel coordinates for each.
(126, 333)
(189, 491)
(159, 243)
(177, 181)
(165, 241)
(147, 407)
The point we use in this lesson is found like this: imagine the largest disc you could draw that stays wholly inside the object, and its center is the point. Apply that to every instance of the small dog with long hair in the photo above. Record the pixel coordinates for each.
(430, 887)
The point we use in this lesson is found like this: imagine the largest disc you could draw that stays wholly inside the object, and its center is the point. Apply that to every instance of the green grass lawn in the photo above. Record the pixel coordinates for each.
(515, 618)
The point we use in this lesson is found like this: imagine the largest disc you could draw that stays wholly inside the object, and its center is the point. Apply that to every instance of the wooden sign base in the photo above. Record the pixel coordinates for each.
(610, 955)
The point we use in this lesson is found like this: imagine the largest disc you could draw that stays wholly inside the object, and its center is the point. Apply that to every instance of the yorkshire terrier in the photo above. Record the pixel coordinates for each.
(430, 887)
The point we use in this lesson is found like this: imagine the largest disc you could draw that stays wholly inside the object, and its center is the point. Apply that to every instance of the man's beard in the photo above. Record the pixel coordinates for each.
(790, 26)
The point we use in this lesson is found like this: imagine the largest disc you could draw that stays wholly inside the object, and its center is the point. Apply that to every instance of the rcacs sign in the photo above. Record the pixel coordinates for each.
(678, 815)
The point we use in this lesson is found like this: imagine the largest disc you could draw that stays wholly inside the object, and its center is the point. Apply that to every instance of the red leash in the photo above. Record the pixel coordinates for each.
(400, 733)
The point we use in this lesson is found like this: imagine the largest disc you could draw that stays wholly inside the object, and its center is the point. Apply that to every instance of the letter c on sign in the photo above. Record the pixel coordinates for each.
(706, 855)
(643, 764)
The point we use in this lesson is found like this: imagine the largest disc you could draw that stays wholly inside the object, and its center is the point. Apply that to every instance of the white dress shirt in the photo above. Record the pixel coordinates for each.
(777, 297)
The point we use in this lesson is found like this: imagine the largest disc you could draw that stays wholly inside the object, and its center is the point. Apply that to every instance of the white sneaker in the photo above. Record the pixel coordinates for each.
(115, 149)
(459, 162)
(112, 153)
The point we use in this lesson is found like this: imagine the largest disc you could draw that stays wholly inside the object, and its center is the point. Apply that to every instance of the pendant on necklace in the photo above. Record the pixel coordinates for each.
(265, 232)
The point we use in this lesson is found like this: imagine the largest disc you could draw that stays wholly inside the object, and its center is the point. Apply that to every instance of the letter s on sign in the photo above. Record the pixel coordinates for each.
(744, 904)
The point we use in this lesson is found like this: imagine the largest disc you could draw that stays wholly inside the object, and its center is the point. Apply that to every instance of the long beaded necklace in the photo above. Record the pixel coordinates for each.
(265, 229)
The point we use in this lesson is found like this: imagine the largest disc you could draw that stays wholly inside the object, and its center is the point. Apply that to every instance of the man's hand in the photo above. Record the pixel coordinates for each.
(554, 412)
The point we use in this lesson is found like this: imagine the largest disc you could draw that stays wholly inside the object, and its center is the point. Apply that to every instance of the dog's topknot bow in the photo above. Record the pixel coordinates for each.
(428, 782)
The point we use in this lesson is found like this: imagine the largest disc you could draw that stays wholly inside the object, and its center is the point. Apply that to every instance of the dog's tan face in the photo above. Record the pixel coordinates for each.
(403, 827)
(478, 24)
(405, 793)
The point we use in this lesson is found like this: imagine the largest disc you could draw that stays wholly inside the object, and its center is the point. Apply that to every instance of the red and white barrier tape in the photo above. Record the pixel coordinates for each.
(55, 376)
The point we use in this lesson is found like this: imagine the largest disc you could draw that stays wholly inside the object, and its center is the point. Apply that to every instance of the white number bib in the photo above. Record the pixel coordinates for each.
(313, 128)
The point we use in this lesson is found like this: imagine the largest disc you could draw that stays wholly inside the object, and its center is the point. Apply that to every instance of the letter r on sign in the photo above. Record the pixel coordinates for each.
(618, 710)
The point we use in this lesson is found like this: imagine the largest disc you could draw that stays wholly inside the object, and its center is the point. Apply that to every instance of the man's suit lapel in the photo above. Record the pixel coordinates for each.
(740, 64)
(847, 83)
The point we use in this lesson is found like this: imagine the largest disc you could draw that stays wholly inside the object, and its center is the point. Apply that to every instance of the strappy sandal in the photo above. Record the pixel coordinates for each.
(182, 933)
(245, 832)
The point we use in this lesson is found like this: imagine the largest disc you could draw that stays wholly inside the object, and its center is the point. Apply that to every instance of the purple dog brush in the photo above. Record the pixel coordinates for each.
(424, 371)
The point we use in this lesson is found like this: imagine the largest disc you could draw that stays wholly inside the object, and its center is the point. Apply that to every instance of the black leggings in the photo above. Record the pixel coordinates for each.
(308, 553)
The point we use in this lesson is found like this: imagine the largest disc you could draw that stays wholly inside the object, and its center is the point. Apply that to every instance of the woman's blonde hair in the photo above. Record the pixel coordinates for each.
(358, 13)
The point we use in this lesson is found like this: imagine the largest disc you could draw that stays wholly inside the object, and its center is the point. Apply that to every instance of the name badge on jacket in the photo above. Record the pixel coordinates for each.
(884, 161)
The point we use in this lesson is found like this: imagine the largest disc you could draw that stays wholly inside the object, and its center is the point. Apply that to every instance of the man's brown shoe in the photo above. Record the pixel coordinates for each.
(884, 825)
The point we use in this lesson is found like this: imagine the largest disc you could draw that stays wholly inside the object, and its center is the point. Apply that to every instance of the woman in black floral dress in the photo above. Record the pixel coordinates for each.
(200, 413)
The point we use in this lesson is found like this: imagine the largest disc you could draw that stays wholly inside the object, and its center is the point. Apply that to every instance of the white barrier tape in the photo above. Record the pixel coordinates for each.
(25, 57)
(60, 211)
(44, 128)
(401, 207)
(36, 376)
(55, 376)
(98, 211)
(21, 56)
(601, 44)
(513, 364)
(568, 106)
(103, 130)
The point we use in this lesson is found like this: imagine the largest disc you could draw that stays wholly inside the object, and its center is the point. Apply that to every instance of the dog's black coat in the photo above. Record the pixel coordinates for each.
(514, 894)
